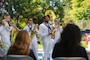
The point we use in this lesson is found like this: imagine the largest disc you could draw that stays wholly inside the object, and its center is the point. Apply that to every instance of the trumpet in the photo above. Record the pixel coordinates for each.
(13, 25)
(17, 28)
(33, 32)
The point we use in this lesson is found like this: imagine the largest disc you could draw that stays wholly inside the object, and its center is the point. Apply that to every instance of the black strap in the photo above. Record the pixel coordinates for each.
(49, 28)
(30, 28)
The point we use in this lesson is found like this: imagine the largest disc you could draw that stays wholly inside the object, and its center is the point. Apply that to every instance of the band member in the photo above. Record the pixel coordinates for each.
(5, 33)
(57, 30)
(45, 33)
(30, 28)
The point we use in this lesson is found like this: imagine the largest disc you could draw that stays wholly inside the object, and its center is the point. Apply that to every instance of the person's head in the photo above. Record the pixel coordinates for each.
(71, 36)
(46, 18)
(7, 17)
(56, 21)
(30, 20)
(21, 44)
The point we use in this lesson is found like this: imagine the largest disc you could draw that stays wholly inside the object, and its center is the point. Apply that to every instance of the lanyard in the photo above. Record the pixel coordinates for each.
(30, 28)
(49, 28)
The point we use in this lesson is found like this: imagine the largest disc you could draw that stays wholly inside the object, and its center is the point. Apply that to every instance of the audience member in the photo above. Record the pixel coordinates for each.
(69, 45)
(21, 45)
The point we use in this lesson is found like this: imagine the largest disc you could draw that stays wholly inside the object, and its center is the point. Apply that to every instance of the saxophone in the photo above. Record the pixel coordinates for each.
(33, 32)
(53, 32)
(0, 44)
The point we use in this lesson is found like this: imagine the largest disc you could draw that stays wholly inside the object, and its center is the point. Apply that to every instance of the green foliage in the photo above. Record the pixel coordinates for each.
(21, 21)
(25, 9)
(80, 9)
(67, 7)
(65, 10)
(33, 8)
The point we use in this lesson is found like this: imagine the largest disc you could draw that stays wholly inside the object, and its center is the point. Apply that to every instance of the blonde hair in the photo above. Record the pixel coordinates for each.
(21, 44)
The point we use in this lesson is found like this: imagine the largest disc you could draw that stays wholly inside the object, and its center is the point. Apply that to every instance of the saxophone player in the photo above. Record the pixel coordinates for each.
(58, 31)
(45, 33)
(31, 28)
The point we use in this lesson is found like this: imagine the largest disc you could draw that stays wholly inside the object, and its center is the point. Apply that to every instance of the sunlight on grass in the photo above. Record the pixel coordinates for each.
(40, 46)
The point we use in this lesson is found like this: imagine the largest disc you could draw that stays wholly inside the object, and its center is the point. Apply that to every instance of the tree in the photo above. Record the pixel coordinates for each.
(80, 9)
(22, 9)
(67, 7)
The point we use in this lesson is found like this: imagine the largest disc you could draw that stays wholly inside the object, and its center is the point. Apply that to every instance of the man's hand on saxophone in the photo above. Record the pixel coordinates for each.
(50, 33)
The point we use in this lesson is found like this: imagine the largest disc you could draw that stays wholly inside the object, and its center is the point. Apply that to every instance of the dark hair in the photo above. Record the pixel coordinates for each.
(70, 37)
(44, 17)
(29, 18)
(48, 16)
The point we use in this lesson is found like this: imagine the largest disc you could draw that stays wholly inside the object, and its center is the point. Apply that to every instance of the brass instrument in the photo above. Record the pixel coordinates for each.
(0, 44)
(14, 32)
(53, 32)
(14, 26)
(33, 32)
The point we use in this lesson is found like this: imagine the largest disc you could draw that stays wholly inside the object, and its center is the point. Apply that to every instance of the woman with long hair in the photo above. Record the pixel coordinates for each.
(21, 44)
(69, 45)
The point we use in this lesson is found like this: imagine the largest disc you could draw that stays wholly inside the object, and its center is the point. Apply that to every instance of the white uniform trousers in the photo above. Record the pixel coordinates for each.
(47, 47)
(34, 46)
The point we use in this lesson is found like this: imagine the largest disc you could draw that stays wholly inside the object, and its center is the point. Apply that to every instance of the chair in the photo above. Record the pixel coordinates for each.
(18, 57)
(88, 53)
(69, 58)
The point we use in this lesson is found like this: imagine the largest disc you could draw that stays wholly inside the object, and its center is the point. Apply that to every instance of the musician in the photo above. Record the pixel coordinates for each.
(58, 31)
(5, 33)
(34, 45)
(45, 33)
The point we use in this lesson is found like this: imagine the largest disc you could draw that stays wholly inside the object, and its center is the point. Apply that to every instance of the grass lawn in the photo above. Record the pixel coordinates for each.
(40, 46)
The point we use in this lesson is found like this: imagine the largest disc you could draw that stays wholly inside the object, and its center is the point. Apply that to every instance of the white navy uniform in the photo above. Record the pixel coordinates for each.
(58, 32)
(5, 36)
(46, 39)
(33, 44)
